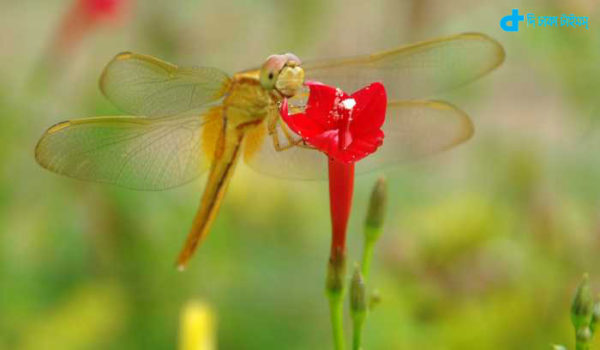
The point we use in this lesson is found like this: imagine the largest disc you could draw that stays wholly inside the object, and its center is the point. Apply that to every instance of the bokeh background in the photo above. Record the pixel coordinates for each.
(483, 245)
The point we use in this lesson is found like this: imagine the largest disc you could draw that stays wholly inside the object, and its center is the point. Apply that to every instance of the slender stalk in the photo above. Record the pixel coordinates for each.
(335, 290)
(359, 316)
(367, 256)
(373, 229)
(374, 223)
(336, 311)
(357, 334)
(359, 280)
(358, 307)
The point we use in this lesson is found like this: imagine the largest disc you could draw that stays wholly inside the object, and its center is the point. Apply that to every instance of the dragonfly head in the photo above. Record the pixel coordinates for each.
(282, 73)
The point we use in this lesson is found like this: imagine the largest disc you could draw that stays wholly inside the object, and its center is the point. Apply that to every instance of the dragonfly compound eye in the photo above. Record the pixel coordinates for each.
(270, 70)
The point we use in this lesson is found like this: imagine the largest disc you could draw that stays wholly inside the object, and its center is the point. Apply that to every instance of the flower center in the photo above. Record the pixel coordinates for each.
(342, 113)
(349, 103)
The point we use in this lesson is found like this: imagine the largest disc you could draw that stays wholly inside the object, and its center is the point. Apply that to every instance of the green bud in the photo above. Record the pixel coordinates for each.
(581, 308)
(377, 206)
(595, 317)
(335, 273)
(358, 307)
(558, 347)
(358, 295)
(584, 335)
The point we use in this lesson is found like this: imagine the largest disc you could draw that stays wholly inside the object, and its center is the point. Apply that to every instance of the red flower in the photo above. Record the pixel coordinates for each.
(83, 17)
(347, 129)
(99, 9)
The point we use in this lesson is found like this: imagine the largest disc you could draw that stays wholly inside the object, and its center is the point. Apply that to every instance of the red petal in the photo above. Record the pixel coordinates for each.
(326, 142)
(369, 112)
(321, 102)
(304, 126)
(366, 144)
(300, 123)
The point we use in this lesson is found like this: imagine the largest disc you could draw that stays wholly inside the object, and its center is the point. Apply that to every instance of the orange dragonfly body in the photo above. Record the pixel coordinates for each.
(185, 121)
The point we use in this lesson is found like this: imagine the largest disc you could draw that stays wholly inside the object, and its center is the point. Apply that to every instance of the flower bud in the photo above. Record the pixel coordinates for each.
(358, 297)
(595, 317)
(558, 347)
(581, 308)
(376, 211)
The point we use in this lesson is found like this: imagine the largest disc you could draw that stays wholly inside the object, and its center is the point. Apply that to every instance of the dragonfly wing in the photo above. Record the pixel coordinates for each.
(146, 86)
(294, 162)
(414, 71)
(415, 129)
(133, 152)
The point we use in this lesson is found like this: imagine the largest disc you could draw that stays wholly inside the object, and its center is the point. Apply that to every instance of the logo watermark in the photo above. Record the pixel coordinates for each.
(510, 23)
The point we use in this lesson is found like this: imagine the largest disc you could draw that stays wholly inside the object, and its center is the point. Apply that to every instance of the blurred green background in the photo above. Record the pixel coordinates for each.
(483, 245)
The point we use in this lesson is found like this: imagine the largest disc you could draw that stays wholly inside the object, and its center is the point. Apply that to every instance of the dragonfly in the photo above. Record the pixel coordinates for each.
(182, 122)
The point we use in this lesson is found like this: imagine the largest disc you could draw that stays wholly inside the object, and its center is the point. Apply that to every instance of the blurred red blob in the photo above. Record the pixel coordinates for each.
(99, 9)
(84, 17)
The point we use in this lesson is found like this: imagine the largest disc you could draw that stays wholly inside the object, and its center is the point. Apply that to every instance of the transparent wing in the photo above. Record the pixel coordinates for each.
(146, 86)
(414, 71)
(133, 152)
(294, 162)
(413, 129)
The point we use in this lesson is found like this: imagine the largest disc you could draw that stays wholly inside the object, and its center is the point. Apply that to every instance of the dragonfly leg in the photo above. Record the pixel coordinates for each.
(288, 135)
(272, 129)
(291, 142)
(277, 145)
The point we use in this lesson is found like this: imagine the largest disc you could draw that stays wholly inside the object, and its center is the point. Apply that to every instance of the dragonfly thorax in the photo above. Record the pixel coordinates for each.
(247, 100)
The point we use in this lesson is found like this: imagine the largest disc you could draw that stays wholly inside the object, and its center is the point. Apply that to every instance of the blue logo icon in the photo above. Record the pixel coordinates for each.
(514, 20)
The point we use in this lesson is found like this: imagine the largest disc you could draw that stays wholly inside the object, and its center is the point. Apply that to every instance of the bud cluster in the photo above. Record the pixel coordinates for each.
(585, 313)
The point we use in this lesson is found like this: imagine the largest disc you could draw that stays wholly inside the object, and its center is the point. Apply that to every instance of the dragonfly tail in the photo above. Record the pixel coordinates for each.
(226, 156)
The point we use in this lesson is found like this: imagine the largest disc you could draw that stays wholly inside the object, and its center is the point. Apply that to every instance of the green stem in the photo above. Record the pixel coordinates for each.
(582, 345)
(357, 335)
(367, 257)
(336, 311)
(359, 317)
(358, 307)
(335, 289)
